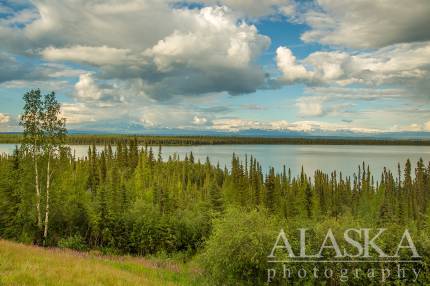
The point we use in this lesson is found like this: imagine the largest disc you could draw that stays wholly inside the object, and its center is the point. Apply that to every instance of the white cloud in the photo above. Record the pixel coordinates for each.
(310, 106)
(32, 84)
(354, 92)
(21, 17)
(175, 51)
(308, 126)
(214, 41)
(413, 127)
(87, 89)
(253, 106)
(4, 118)
(255, 8)
(76, 113)
(287, 63)
(238, 124)
(107, 93)
(199, 120)
(279, 125)
(320, 101)
(155, 116)
(397, 64)
(146, 60)
(5, 10)
(94, 23)
(18, 70)
(368, 23)
(92, 55)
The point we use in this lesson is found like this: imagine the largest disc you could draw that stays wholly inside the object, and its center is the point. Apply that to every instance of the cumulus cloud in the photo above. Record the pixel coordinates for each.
(310, 106)
(287, 63)
(27, 74)
(111, 23)
(140, 60)
(179, 117)
(368, 23)
(92, 55)
(111, 103)
(413, 127)
(4, 118)
(321, 101)
(8, 123)
(214, 40)
(174, 50)
(11, 69)
(406, 64)
(256, 8)
(238, 124)
(54, 85)
(78, 113)
(86, 88)
(338, 92)
(110, 92)
(253, 107)
(322, 106)
(308, 126)
(199, 120)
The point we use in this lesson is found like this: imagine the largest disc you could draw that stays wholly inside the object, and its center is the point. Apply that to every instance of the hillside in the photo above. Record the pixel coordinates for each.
(30, 265)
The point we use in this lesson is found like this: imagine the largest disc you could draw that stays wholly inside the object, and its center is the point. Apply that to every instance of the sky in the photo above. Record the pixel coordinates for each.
(329, 66)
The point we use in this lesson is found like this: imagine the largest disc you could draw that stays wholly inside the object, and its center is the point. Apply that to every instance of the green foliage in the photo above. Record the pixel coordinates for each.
(75, 242)
(236, 253)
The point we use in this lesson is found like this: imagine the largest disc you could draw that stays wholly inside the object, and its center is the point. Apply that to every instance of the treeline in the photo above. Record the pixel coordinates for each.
(102, 139)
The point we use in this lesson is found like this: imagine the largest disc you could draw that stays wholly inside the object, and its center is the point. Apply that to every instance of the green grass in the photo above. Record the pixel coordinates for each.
(30, 265)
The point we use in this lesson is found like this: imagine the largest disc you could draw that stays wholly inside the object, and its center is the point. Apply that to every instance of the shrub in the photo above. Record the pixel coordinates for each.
(236, 252)
(75, 242)
(181, 231)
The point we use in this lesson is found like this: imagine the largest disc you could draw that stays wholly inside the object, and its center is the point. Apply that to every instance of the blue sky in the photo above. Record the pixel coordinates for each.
(322, 66)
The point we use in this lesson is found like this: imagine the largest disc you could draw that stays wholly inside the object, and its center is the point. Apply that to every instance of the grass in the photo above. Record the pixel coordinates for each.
(31, 265)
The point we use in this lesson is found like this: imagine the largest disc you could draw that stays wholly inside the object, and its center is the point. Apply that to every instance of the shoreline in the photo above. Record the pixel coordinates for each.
(79, 139)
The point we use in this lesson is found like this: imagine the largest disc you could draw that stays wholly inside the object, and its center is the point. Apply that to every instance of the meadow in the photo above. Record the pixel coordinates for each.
(22, 264)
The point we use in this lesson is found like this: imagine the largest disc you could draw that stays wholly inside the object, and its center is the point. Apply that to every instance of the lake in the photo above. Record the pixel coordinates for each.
(344, 158)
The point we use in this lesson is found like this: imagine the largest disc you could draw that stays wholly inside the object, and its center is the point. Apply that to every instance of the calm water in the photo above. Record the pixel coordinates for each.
(327, 158)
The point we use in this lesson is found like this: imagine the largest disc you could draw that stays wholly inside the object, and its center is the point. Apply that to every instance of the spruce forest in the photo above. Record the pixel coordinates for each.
(130, 201)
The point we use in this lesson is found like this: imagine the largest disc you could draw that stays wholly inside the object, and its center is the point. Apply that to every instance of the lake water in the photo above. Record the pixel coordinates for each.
(327, 158)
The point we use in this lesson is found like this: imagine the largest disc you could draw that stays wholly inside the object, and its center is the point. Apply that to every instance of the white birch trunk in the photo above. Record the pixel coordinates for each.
(36, 171)
(48, 180)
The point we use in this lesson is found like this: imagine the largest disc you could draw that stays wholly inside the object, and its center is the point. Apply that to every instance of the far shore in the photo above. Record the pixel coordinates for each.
(181, 140)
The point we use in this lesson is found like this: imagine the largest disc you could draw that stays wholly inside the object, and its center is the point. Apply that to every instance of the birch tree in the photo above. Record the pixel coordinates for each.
(31, 121)
(44, 133)
(54, 131)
